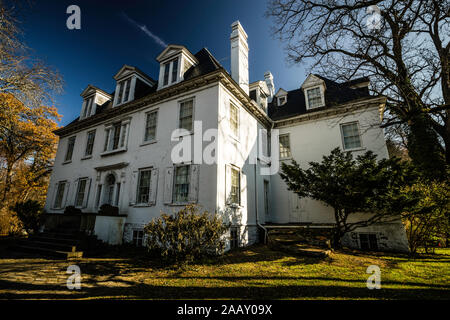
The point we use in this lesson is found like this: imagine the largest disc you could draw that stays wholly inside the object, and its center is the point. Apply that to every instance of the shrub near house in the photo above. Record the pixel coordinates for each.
(187, 235)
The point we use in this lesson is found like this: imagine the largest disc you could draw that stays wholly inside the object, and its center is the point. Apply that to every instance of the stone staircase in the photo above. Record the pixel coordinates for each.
(304, 239)
(58, 243)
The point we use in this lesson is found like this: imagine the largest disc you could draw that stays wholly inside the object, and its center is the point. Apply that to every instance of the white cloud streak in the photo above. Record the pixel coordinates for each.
(143, 28)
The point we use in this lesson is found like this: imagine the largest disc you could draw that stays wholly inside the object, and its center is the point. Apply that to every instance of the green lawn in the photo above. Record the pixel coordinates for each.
(257, 272)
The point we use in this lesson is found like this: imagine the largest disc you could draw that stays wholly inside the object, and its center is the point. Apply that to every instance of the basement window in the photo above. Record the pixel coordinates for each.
(138, 237)
(368, 241)
(234, 237)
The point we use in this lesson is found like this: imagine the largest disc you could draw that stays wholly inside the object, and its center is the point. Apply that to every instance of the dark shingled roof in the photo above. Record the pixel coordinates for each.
(206, 64)
(335, 94)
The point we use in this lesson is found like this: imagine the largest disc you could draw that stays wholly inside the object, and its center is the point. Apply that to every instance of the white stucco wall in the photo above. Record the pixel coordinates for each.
(310, 141)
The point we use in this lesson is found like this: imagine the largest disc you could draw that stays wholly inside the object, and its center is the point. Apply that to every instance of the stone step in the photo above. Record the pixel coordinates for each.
(44, 238)
(49, 245)
(49, 252)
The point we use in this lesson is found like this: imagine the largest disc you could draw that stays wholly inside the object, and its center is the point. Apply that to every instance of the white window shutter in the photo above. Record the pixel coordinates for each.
(86, 193)
(75, 192)
(133, 187)
(227, 183)
(168, 183)
(153, 187)
(66, 193)
(194, 183)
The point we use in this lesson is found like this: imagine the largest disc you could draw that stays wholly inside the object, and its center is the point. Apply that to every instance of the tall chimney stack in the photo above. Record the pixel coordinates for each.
(239, 55)
(268, 78)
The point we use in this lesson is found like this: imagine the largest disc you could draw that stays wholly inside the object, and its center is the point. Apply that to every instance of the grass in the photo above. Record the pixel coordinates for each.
(257, 272)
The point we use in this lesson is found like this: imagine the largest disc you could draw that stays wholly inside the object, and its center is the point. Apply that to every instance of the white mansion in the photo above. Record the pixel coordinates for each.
(120, 150)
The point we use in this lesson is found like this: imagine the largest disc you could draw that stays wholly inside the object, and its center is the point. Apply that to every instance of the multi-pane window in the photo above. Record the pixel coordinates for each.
(166, 73)
(116, 136)
(124, 91)
(171, 74)
(285, 146)
(89, 143)
(234, 120)
(138, 236)
(88, 107)
(70, 146)
(350, 136)
(235, 186)
(150, 126)
(181, 184)
(60, 194)
(186, 112)
(368, 241)
(314, 98)
(234, 237)
(174, 70)
(81, 192)
(281, 100)
(143, 192)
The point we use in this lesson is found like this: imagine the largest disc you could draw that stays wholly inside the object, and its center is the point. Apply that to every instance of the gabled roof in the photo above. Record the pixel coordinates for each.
(206, 64)
(126, 70)
(92, 89)
(172, 50)
(335, 94)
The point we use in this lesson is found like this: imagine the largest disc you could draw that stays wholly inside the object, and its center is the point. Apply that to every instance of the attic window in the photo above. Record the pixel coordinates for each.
(282, 100)
(171, 72)
(88, 108)
(314, 97)
(124, 91)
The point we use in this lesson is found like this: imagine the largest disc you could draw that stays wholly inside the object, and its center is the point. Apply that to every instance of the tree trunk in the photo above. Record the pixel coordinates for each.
(424, 148)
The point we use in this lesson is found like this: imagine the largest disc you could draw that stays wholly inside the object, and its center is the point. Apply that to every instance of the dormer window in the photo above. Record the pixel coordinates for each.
(88, 107)
(314, 97)
(92, 98)
(282, 100)
(124, 91)
(171, 71)
(174, 62)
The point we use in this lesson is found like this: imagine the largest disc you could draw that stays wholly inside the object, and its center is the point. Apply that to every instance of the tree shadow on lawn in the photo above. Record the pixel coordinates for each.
(146, 291)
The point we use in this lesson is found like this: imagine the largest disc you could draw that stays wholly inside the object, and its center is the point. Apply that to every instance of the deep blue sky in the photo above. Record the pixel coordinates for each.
(108, 40)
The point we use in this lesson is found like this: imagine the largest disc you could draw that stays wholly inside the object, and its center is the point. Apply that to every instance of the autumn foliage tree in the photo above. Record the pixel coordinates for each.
(27, 119)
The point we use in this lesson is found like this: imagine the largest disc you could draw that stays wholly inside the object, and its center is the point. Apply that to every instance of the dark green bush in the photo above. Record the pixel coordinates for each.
(72, 210)
(108, 210)
(29, 213)
(186, 236)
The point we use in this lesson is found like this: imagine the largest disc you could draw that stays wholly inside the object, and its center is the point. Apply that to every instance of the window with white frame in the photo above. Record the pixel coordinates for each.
(186, 114)
(89, 143)
(138, 237)
(144, 184)
(81, 192)
(124, 91)
(285, 146)
(351, 138)
(234, 120)
(116, 136)
(170, 70)
(235, 193)
(70, 146)
(59, 194)
(181, 184)
(282, 100)
(150, 126)
(88, 107)
(314, 96)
